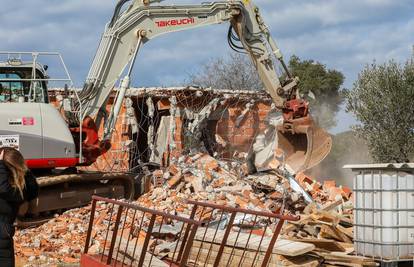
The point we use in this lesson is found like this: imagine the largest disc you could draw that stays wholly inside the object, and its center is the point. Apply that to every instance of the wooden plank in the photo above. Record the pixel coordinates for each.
(206, 253)
(346, 221)
(299, 261)
(339, 263)
(347, 231)
(325, 216)
(332, 205)
(292, 225)
(292, 248)
(325, 244)
(282, 246)
(349, 247)
(343, 236)
(344, 258)
(330, 233)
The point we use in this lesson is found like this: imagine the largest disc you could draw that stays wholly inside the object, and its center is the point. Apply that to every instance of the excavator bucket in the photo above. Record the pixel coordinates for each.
(304, 145)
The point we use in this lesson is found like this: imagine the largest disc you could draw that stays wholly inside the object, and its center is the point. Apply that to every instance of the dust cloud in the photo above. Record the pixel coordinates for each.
(347, 148)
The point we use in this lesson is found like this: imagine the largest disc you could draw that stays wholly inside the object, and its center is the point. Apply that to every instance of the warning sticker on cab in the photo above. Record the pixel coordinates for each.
(25, 121)
(10, 141)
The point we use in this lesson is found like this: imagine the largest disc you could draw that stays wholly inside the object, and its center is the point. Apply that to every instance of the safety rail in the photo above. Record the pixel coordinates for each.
(232, 236)
(213, 235)
(132, 235)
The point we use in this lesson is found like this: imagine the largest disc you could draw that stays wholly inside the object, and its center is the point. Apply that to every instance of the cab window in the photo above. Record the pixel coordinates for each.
(16, 90)
(10, 91)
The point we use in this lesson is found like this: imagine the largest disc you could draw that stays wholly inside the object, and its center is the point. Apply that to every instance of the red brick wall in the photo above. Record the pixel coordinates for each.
(238, 139)
(241, 138)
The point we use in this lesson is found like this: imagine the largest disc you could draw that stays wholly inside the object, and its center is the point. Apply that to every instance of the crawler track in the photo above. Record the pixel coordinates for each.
(58, 193)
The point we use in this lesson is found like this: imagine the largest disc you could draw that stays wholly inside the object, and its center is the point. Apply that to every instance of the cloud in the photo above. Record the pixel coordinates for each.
(344, 35)
(349, 49)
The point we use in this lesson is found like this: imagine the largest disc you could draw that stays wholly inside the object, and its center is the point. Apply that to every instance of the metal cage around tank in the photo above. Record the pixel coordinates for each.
(384, 210)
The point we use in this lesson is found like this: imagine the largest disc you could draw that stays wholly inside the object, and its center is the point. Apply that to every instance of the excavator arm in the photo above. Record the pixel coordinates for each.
(134, 23)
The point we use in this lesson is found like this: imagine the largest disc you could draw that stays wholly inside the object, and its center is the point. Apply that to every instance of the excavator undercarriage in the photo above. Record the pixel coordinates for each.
(58, 193)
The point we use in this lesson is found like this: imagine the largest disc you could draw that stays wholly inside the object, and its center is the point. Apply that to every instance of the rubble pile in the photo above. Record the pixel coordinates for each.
(62, 239)
(326, 192)
(203, 178)
(325, 221)
(59, 240)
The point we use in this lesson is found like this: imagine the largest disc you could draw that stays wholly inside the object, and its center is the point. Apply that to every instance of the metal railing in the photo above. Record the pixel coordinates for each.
(233, 236)
(132, 233)
(213, 235)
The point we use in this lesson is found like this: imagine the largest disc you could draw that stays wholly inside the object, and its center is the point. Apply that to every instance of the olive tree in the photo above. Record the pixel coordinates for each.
(382, 100)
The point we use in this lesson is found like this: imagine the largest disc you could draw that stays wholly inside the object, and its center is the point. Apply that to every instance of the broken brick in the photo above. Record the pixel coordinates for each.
(246, 193)
(173, 169)
(302, 179)
(174, 180)
(241, 202)
(218, 183)
(335, 193)
(329, 184)
(346, 192)
(276, 195)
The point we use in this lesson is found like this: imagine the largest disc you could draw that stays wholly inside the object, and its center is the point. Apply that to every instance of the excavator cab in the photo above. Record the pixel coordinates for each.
(17, 84)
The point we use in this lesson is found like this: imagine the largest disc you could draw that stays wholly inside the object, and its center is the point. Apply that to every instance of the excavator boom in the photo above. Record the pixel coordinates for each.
(134, 25)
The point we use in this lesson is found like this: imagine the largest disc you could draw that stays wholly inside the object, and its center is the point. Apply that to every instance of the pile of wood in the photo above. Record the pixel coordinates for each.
(330, 230)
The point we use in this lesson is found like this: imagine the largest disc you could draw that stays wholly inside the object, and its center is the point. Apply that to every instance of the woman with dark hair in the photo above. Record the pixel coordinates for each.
(17, 185)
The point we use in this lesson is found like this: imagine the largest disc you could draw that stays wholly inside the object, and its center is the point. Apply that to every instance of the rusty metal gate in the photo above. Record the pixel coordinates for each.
(125, 234)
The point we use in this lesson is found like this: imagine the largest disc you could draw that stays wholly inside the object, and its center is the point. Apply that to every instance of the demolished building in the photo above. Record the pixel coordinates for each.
(157, 124)
(188, 143)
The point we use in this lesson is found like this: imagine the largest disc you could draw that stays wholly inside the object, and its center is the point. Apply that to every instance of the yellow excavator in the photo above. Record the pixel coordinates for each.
(49, 141)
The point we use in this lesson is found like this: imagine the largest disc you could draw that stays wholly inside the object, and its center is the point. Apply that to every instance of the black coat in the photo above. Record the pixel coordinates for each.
(10, 200)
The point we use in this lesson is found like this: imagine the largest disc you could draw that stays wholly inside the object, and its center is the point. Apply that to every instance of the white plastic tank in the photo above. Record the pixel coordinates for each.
(384, 210)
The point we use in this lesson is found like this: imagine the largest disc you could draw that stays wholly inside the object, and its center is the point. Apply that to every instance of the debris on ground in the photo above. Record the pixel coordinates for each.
(325, 222)
(61, 239)
(203, 178)
(209, 149)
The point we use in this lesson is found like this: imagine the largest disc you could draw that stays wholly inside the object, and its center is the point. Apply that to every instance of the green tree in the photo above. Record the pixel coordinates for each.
(325, 84)
(237, 72)
(382, 100)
